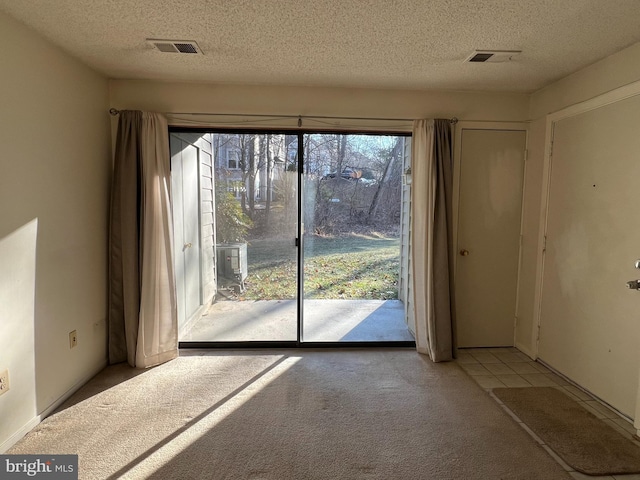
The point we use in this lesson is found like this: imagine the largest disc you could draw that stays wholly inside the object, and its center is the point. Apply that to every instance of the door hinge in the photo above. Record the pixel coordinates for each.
(544, 244)
(297, 242)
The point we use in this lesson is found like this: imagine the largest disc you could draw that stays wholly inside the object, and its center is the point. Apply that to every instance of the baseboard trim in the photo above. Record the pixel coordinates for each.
(31, 424)
(13, 439)
(76, 386)
(524, 349)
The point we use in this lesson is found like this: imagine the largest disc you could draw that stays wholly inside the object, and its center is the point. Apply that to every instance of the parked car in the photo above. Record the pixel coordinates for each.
(348, 173)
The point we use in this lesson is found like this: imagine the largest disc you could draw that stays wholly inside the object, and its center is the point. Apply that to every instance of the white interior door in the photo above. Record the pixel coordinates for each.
(589, 321)
(488, 240)
(186, 213)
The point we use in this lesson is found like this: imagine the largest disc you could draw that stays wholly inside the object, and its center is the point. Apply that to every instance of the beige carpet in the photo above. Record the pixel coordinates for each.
(582, 440)
(348, 414)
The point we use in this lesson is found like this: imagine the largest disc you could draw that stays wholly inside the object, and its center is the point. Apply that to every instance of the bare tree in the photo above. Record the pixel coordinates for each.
(391, 155)
(268, 161)
(247, 164)
(341, 150)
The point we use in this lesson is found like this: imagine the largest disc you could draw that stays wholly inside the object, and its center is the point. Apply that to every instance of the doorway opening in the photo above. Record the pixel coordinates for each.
(300, 239)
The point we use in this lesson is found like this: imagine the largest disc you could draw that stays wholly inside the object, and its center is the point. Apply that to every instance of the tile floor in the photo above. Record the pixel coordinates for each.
(508, 367)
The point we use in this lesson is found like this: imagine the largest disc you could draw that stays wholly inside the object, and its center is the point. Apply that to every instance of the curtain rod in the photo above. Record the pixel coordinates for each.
(453, 120)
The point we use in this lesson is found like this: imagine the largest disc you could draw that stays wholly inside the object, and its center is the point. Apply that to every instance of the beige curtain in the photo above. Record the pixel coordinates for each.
(431, 237)
(142, 300)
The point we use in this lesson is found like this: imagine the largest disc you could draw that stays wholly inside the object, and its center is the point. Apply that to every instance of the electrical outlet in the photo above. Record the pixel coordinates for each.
(4, 382)
(73, 339)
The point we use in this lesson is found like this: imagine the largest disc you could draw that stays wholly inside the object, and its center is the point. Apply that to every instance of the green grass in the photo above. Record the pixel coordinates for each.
(350, 267)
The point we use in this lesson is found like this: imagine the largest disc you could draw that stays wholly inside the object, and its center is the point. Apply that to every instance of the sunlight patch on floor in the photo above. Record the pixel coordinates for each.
(164, 455)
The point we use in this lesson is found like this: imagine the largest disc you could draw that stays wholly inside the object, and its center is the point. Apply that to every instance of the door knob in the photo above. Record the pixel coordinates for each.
(634, 285)
(464, 252)
(637, 263)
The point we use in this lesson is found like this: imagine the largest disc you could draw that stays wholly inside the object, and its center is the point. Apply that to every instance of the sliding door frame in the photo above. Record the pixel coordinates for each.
(299, 245)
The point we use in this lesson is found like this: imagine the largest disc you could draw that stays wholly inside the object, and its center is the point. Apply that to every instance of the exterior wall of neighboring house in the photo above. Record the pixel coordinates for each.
(227, 156)
(54, 210)
(207, 224)
(205, 201)
(405, 283)
(232, 169)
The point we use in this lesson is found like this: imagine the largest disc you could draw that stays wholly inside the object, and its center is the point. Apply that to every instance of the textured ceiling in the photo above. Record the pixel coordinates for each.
(414, 44)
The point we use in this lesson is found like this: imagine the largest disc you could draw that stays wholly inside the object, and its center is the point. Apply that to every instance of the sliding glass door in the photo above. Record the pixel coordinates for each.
(351, 239)
(304, 236)
(255, 224)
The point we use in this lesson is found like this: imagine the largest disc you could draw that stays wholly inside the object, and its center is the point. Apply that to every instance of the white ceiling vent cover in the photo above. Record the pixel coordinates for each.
(175, 46)
(492, 56)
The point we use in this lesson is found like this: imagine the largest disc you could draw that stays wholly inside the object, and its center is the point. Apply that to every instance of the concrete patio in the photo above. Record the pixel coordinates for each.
(324, 321)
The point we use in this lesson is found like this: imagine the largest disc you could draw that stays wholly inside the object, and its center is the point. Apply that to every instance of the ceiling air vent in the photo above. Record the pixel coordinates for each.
(492, 56)
(175, 46)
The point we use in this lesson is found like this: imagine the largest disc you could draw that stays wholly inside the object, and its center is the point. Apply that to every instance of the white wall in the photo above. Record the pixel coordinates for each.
(267, 100)
(54, 177)
(612, 72)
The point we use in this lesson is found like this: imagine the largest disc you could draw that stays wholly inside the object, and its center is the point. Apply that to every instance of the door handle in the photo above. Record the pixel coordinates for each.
(188, 245)
(633, 285)
(464, 252)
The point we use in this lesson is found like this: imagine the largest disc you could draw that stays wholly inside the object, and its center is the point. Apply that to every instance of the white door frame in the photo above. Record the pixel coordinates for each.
(613, 96)
(457, 153)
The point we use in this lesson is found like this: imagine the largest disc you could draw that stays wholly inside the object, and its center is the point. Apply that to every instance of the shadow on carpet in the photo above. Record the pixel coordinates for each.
(582, 440)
